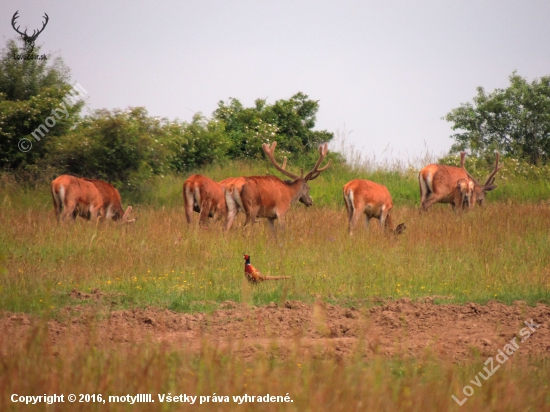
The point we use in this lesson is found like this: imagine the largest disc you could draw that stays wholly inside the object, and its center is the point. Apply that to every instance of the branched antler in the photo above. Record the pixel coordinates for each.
(28, 39)
(315, 172)
(491, 178)
(270, 153)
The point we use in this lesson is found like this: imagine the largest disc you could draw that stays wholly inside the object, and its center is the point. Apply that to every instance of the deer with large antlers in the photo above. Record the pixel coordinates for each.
(29, 40)
(268, 196)
(371, 199)
(440, 184)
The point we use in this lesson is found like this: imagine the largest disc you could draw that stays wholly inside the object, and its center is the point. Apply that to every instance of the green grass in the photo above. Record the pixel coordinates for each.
(500, 252)
(514, 185)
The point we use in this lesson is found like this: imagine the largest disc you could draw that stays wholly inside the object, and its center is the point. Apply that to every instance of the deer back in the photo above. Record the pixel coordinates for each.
(199, 190)
(442, 179)
(72, 192)
(268, 193)
(367, 194)
(112, 202)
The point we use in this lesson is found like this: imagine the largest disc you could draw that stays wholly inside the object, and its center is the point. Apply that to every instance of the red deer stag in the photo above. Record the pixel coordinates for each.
(87, 198)
(372, 200)
(236, 184)
(438, 183)
(202, 195)
(269, 196)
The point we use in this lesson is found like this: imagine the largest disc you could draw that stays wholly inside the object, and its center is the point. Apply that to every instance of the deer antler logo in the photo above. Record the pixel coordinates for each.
(29, 40)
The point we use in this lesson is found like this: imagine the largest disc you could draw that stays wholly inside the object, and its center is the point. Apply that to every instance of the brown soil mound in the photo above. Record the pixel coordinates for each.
(402, 327)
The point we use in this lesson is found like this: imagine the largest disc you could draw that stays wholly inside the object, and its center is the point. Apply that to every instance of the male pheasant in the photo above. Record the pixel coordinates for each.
(253, 275)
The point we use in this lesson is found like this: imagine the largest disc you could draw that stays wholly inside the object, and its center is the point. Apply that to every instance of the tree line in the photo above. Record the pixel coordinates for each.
(130, 145)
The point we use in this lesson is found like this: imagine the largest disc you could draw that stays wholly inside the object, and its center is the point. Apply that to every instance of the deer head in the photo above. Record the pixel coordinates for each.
(311, 175)
(29, 40)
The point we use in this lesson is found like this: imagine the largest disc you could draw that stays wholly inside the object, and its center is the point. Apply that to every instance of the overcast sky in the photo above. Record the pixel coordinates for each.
(384, 71)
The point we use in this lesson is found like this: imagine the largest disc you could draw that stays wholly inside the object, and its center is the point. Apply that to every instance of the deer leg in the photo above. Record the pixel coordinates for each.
(433, 199)
(69, 210)
(424, 190)
(383, 220)
(232, 209)
(188, 206)
(282, 222)
(388, 224)
(93, 213)
(353, 220)
(251, 217)
(205, 212)
(458, 201)
(349, 208)
(57, 206)
(469, 200)
(367, 221)
(230, 218)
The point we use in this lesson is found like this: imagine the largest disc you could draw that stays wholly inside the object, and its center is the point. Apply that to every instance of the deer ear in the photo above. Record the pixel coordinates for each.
(489, 188)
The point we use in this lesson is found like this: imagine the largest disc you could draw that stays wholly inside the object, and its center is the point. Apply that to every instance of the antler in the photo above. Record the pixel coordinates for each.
(462, 157)
(491, 177)
(269, 152)
(13, 19)
(35, 34)
(47, 19)
(315, 172)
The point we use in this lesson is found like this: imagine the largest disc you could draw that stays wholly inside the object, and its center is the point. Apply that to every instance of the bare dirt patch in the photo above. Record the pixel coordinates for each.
(401, 328)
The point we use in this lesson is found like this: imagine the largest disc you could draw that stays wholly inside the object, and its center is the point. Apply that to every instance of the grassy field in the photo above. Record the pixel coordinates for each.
(499, 252)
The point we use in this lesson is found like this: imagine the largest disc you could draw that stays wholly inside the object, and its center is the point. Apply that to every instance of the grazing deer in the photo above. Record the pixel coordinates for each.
(269, 196)
(438, 183)
(236, 184)
(87, 198)
(202, 195)
(371, 199)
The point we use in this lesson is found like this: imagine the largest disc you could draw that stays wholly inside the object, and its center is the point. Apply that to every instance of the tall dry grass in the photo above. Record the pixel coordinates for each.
(32, 366)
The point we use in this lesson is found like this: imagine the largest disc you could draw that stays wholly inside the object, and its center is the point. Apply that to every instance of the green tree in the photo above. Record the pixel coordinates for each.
(29, 91)
(117, 146)
(197, 143)
(515, 121)
(289, 122)
(127, 147)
